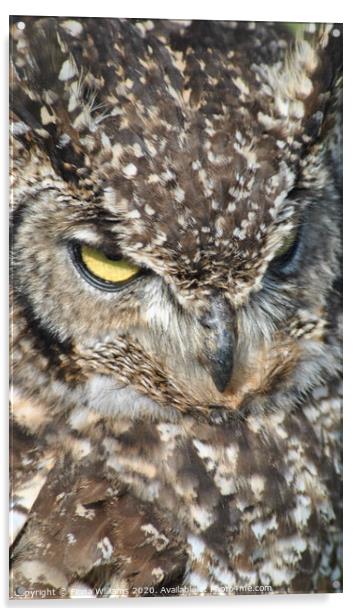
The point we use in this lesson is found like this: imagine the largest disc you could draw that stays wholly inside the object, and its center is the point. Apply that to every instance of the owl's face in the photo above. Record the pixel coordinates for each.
(178, 253)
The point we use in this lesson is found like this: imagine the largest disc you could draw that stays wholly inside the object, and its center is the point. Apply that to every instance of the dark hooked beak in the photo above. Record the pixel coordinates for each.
(221, 322)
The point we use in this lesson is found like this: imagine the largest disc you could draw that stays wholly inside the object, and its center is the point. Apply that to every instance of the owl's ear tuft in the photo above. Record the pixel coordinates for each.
(303, 85)
(322, 126)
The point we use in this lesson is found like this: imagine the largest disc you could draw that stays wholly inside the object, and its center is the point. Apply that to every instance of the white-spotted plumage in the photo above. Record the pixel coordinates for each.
(178, 434)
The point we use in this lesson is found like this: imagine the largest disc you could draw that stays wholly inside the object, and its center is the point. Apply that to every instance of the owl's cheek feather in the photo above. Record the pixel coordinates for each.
(268, 367)
(160, 392)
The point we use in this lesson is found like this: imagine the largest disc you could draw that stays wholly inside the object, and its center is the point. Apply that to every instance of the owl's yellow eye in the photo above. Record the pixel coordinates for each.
(101, 270)
(287, 244)
(110, 270)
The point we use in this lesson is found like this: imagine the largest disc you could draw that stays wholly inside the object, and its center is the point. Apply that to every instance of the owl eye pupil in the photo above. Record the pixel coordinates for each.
(112, 257)
(106, 272)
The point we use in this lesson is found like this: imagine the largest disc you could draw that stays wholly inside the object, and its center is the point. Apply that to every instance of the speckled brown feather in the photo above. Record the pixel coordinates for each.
(193, 149)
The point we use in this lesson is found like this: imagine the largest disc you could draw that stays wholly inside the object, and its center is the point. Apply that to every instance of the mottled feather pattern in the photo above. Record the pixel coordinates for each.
(181, 435)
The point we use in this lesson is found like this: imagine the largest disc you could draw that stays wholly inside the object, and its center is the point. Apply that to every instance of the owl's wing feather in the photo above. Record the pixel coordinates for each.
(82, 529)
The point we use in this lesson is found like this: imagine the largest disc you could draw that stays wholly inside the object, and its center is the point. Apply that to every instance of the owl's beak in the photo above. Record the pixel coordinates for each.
(220, 321)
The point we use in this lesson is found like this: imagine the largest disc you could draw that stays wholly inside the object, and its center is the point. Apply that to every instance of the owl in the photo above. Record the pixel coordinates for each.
(176, 307)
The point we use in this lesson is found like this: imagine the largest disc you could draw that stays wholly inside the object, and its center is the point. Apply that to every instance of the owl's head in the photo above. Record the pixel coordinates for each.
(176, 238)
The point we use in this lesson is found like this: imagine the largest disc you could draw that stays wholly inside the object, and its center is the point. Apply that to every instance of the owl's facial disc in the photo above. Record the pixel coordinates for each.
(110, 271)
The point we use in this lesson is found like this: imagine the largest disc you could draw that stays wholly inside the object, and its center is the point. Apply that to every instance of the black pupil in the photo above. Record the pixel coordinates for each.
(112, 257)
